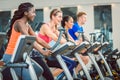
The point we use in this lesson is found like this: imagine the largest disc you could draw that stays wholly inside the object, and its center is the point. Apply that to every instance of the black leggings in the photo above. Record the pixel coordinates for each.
(52, 62)
(6, 74)
(47, 73)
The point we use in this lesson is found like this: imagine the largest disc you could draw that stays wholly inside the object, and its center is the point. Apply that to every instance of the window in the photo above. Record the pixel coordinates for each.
(71, 11)
(38, 20)
(4, 20)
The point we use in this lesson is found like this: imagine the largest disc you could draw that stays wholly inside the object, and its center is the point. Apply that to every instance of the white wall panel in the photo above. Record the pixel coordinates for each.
(83, 5)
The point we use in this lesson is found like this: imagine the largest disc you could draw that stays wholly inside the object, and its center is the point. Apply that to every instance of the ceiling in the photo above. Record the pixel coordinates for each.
(12, 4)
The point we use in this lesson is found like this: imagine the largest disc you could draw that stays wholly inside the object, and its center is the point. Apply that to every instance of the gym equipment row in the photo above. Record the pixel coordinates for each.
(105, 67)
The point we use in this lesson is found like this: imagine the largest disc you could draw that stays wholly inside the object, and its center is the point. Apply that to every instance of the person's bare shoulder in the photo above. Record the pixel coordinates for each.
(19, 23)
(45, 26)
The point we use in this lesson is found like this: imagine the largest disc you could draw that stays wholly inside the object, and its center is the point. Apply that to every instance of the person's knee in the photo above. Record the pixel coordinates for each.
(85, 59)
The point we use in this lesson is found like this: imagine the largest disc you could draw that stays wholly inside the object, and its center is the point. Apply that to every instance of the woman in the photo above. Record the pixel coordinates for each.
(49, 31)
(67, 23)
(19, 26)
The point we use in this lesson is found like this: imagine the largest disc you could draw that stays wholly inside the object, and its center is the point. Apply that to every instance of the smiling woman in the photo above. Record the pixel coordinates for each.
(48, 31)
(20, 26)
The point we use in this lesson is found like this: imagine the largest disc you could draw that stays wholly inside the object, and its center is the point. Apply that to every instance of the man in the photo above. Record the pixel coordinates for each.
(77, 27)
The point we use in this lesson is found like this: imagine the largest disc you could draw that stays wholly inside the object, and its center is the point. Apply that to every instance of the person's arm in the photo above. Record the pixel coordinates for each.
(83, 37)
(39, 48)
(63, 40)
(76, 34)
(21, 27)
(75, 30)
(47, 31)
(39, 40)
(77, 42)
(25, 30)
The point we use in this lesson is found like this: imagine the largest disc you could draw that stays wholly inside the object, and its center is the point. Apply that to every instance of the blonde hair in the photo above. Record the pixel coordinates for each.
(54, 12)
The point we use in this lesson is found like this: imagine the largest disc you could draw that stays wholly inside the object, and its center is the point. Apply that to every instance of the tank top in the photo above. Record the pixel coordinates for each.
(12, 42)
(45, 37)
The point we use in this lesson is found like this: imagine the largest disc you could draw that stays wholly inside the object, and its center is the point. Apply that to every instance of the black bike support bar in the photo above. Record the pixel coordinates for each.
(59, 38)
(113, 52)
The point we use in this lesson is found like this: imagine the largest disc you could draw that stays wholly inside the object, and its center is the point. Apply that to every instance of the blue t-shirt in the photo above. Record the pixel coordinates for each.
(75, 28)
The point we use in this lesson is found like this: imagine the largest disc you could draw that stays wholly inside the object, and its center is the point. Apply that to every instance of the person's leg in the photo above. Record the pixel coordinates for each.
(6, 72)
(47, 73)
(52, 62)
(70, 63)
(85, 59)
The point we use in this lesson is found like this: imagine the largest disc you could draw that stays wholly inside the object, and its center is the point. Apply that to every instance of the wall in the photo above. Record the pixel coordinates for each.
(116, 25)
(83, 5)
(11, 4)
(89, 26)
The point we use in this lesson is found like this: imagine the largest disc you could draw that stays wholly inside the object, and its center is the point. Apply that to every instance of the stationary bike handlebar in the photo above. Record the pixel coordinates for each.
(59, 38)
(80, 34)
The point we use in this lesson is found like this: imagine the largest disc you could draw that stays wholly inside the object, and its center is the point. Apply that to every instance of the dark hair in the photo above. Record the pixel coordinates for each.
(65, 19)
(23, 7)
(54, 12)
